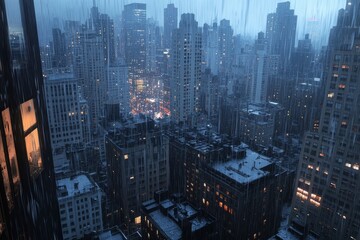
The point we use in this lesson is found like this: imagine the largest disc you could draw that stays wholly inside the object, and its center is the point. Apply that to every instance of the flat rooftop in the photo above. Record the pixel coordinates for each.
(169, 223)
(244, 170)
(71, 186)
(60, 76)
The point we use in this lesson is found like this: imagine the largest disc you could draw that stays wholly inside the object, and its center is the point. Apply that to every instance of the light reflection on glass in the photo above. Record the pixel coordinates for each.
(11, 146)
(33, 151)
(28, 114)
(5, 175)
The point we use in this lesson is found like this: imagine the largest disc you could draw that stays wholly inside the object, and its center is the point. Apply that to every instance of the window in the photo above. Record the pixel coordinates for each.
(28, 114)
(11, 147)
(31, 136)
(33, 151)
(5, 175)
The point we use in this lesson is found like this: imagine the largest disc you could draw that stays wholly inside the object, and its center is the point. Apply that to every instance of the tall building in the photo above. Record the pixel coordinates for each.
(59, 59)
(103, 26)
(89, 69)
(107, 33)
(256, 125)
(63, 107)
(28, 204)
(209, 95)
(225, 46)
(151, 45)
(186, 70)
(118, 92)
(326, 200)
(210, 46)
(242, 189)
(280, 32)
(137, 154)
(302, 59)
(134, 28)
(80, 206)
(71, 31)
(170, 24)
(258, 91)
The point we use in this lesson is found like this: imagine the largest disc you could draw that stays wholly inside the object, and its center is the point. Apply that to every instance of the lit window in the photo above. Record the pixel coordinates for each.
(348, 165)
(342, 86)
(28, 114)
(138, 220)
(356, 166)
(5, 175)
(330, 95)
(11, 146)
(33, 151)
(126, 157)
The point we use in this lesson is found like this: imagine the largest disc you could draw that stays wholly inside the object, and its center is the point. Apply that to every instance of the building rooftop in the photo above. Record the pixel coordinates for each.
(244, 170)
(60, 76)
(75, 185)
(111, 234)
(167, 225)
(168, 217)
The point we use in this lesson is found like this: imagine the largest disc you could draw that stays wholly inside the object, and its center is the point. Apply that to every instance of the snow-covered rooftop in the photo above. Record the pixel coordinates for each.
(75, 185)
(170, 223)
(168, 226)
(245, 170)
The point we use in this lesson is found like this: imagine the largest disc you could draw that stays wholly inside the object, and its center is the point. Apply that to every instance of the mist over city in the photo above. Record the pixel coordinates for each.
(193, 119)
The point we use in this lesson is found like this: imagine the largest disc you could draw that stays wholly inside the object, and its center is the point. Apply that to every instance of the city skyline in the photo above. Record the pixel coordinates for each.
(112, 126)
(247, 17)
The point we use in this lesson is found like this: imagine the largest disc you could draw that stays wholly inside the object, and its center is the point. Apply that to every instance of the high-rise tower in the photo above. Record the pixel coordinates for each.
(134, 28)
(186, 70)
(280, 32)
(326, 202)
(170, 23)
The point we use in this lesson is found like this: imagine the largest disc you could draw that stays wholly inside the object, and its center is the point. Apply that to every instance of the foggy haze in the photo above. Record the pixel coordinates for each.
(246, 17)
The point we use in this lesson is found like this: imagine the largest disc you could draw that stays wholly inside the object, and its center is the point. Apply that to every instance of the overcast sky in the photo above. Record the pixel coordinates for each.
(247, 17)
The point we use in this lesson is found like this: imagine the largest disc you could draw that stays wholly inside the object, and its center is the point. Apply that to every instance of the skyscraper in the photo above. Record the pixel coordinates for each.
(151, 45)
(103, 26)
(28, 205)
(210, 46)
(118, 87)
(89, 69)
(326, 200)
(59, 59)
(280, 32)
(138, 165)
(186, 70)
(62, 100)
(134, 28)
(225, 46)
(264, 65)
(170, 24)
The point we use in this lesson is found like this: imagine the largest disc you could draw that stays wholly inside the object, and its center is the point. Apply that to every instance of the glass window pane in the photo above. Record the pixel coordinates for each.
(11, 146)
(5, 174)
(28, 114)
(33, 152)
(16, 32)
